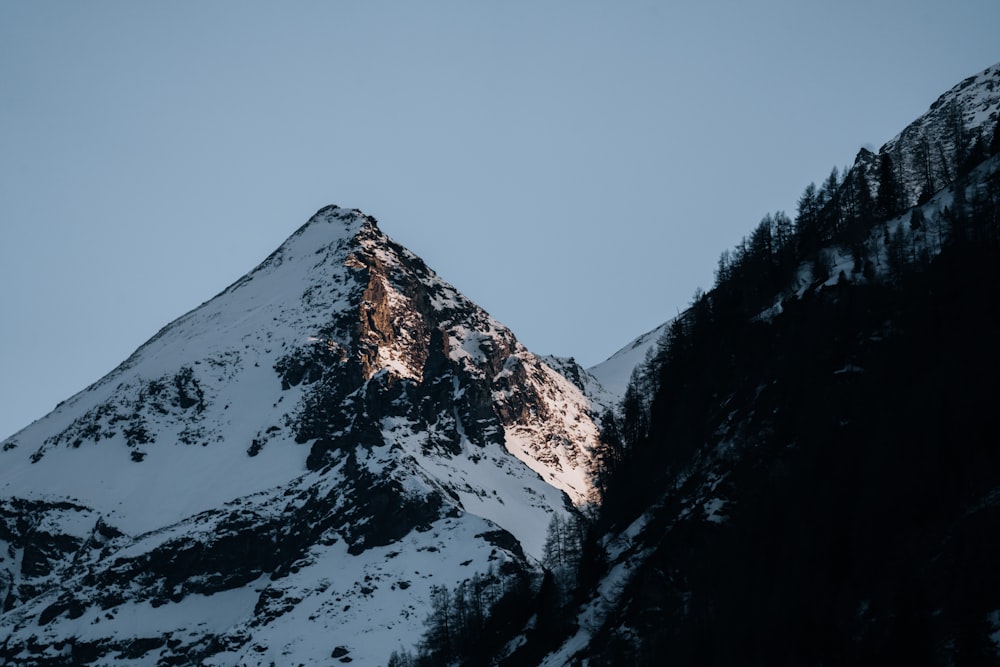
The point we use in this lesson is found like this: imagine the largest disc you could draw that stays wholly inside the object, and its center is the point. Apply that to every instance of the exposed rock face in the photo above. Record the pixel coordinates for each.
(40, 541)
(315, 447)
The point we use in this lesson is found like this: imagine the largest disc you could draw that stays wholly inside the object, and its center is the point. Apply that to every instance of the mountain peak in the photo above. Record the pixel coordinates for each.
(336, 306)
(352, 221)
(329, 228)
(338, 406)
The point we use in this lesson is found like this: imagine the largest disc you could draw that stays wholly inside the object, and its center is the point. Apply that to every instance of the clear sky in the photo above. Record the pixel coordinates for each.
(576, 168)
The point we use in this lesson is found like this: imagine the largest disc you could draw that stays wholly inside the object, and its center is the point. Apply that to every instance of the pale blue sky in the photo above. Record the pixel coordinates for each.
(574, 167)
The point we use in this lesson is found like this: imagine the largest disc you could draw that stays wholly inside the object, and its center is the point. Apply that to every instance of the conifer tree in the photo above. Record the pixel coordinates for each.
(862, 219)
(783, 231)
(562, 551)
(807, 219)
(922, 159)
(438, 639)
(888, 197)
(401, 659)
(634, 414)
(613, 453)
(896, 254)
(723, 271)
(959, 135)
(977, 153)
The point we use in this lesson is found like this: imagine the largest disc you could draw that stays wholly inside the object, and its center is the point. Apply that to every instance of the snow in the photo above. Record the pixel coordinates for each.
(557, 471)
(993, 619)
(486, 481)
(625, 558)
(358, 603)
(202, 613)
(601, 398)
(713, 510)
(615, 372)
(173, 482)
(231, 343)
(197, 470)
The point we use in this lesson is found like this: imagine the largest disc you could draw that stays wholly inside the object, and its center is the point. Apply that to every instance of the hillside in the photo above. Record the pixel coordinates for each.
(805, 469)
(287, 472)
(340, 458)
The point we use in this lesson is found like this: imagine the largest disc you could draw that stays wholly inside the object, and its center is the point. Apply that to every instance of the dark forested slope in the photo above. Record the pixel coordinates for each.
(807, 471)
(851, 448)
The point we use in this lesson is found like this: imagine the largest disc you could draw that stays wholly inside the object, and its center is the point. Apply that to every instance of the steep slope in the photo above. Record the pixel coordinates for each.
(949, 138)
(815, 477)
(839, 492)
(283, 473)
(614, 373)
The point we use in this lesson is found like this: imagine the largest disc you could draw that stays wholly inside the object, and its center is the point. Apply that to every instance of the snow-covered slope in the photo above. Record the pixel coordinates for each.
(925, 153)
(601, 398)
(614, 373)
(284, 472)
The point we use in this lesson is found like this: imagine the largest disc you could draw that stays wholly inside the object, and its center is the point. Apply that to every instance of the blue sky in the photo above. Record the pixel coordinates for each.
(574, 167)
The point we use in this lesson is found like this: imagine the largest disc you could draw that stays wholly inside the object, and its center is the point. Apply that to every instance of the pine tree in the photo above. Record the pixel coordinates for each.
(959, 136)
(612, 454)
(831, 214)
(634, 422)
(896, 254)
(976, 154)
(562, 551)
(807, 220)
(959, 214)
(552, 551)
(724, 269)
(783, 231)
(947, 168)
(888, 197)
(922, 158)
(401, 659)
(860, 222)
(865, 204)
(438, 641)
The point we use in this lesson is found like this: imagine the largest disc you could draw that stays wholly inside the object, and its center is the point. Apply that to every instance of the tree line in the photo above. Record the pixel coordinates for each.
(701, 366)
(861, 213)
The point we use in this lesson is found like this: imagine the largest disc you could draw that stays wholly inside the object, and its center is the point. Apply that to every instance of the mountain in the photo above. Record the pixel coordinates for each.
(805, 470)
(340, 458)
(613, 374)
(951, 137)
(285, 474)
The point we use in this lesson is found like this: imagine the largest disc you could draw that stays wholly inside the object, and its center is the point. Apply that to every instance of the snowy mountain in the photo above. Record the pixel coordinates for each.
(284, 473)
(950, 137)
(613, 373)
(302, 468)
(811, 476)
